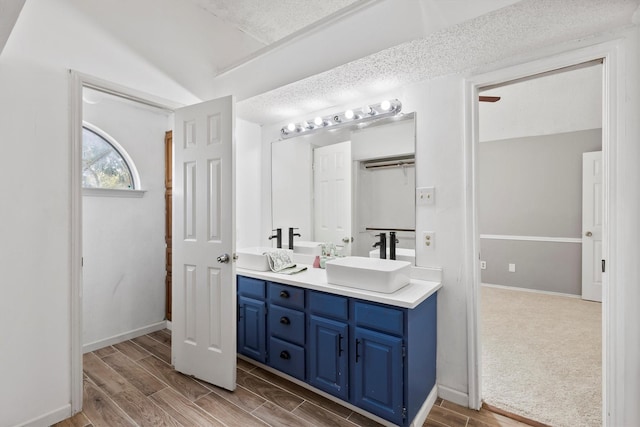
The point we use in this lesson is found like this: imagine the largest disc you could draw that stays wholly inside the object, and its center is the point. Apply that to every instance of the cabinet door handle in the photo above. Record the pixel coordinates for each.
(357, 350)
(340, 349)
(285, 320)
(240, 308)
(284, 294)
(285, 355)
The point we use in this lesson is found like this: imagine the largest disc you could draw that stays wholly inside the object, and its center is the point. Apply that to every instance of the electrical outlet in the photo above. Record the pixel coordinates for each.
(512, 268)
(483, 265)
(429, 238)
(425, 195)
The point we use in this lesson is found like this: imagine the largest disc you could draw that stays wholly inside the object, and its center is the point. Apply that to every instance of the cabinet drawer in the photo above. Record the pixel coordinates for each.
(329, 305)
(249, 287)
(287, 324)
(288, 296)
(383, 319)
(287, 357)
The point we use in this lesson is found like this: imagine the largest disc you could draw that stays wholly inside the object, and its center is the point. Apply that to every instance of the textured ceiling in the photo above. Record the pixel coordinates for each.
(513, 30)
(271, 20)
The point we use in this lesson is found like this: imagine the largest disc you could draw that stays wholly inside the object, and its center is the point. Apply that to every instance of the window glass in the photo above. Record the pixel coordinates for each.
(102, 165)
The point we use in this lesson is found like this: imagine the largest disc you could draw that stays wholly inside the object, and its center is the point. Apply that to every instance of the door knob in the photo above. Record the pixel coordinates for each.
(223, 259)
(588, 234)
(347, 239)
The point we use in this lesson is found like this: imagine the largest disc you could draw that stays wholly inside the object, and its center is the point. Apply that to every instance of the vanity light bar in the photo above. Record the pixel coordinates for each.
(367, 113)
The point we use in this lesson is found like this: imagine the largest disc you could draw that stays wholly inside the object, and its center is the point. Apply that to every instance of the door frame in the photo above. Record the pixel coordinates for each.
(613, 113)
(77, 82)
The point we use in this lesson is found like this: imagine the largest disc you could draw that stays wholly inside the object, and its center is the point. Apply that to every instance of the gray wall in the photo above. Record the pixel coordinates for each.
(533, 187)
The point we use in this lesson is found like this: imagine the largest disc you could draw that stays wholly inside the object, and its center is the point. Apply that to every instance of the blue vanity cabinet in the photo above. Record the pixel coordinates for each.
(328, 358)
(378, 357)
(252, 325)
(286, 329)
(378, 361)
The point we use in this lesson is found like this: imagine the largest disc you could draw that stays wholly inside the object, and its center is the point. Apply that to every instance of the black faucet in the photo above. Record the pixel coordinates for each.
(382, 243)
(291, 234)
(278, 237)
(392, 244)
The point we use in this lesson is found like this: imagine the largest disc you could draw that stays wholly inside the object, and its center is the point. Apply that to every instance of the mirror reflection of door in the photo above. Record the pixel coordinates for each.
(371, 197)
(332, 195)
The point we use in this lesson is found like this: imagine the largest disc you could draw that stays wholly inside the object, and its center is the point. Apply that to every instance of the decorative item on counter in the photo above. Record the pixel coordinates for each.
(280, 262)
(328, 253)
(316, 262)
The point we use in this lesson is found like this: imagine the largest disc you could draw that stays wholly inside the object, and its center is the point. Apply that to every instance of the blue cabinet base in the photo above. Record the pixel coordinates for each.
(375, 357)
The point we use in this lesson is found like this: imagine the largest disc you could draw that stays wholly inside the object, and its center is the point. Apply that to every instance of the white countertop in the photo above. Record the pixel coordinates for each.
(409, 296)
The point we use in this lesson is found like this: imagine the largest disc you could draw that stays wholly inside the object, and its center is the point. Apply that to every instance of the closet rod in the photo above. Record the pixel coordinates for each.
(391, 165)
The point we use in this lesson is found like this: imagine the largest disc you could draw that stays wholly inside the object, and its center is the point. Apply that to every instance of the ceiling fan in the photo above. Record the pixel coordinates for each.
(482, 98)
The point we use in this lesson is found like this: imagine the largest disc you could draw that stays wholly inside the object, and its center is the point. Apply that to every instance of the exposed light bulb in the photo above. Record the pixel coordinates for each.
(349, 114)
(291, 127)
(318, 121)
(385, 105)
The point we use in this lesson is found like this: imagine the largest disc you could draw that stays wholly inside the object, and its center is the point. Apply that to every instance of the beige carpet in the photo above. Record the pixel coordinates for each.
(542, 356)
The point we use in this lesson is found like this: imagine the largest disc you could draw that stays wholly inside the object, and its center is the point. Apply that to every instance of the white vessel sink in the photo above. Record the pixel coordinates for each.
(253, 258)
(373, 274)
(402, 254)
(307, 248)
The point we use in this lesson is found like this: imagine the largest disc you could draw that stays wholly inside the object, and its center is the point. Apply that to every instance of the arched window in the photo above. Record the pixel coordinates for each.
(104, 163)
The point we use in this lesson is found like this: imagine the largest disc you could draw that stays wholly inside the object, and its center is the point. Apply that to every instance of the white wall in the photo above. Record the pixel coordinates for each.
(49, 38)
(539, 106)
(248, 190)
(123, 238)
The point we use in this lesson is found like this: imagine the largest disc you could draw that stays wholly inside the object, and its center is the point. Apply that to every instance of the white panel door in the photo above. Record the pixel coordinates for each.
(204, 289)
(332, 195)
(592, 226)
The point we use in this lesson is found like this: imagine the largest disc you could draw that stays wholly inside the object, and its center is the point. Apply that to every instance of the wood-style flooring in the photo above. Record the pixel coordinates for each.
(133, 384)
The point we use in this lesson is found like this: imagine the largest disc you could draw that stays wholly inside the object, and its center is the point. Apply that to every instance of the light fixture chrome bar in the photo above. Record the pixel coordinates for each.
(387, 108)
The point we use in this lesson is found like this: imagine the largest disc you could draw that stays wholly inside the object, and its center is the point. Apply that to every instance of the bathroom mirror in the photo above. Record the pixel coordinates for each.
(346, 186)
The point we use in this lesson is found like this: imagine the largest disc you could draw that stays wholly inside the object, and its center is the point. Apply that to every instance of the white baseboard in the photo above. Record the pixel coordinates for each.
(86, 348)
(533, 291)
(48, 419)
(423, 413)
(169, 325)
(455, 396)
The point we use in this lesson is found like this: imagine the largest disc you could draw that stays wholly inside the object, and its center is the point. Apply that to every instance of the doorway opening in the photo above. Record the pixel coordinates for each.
(103, 104)
(541, 344)
(611, 109)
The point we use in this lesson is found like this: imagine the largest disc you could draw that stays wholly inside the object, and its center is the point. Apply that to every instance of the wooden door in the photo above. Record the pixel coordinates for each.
(168, 172)
(204, 287)
(592, 226)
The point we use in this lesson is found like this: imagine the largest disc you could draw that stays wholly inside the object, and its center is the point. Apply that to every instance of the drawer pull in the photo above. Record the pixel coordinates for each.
(284, 294)
(285, 355)
(285, 320)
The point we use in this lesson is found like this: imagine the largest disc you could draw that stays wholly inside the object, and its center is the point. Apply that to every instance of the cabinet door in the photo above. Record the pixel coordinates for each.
(328, 356)
(378, 365)
(252, 331)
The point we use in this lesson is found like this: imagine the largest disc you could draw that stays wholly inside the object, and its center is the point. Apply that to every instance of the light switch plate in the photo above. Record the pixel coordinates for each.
(425, 195)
